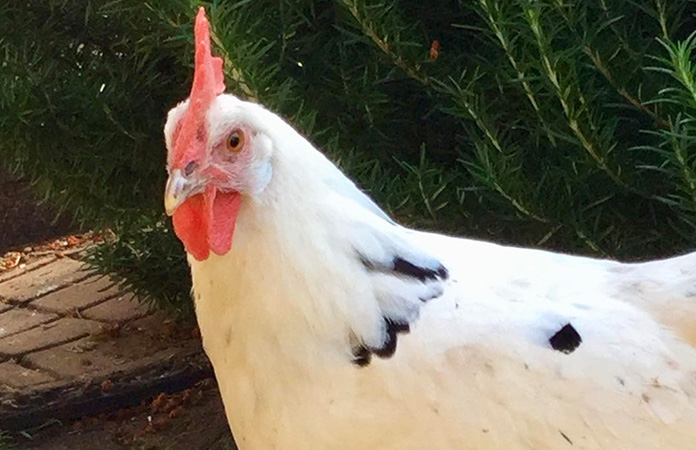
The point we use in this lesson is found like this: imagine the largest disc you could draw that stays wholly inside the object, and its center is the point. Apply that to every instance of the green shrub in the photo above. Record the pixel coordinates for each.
(564, 125)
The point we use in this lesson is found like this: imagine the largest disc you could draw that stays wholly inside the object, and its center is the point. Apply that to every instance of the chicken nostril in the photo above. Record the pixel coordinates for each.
(190, 167)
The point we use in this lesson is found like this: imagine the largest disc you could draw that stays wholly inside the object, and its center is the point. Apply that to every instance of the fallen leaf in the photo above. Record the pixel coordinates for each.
(106, 385)
(434, 50)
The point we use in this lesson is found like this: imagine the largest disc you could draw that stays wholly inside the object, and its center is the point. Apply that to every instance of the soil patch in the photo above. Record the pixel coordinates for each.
(23, 219)
(192, 419)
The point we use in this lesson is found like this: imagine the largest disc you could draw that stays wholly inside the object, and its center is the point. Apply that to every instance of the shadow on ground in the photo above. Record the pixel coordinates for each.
(22, 219)
(192, 419)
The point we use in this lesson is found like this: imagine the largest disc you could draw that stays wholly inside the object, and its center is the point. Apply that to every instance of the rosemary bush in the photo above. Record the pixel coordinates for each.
(563, 125)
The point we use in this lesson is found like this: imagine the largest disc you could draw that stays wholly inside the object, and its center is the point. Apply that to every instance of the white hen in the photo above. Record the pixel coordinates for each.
(331, 327)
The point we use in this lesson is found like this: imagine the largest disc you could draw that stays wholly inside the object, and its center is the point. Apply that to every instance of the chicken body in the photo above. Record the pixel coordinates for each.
(329, 326)
(282, 313)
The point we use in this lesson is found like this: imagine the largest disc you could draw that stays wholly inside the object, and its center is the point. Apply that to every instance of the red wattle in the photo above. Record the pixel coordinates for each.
(191, 227)
(222, 220)
(206, 222)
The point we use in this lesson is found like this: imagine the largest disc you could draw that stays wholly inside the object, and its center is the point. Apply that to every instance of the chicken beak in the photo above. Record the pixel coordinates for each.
(178, 189)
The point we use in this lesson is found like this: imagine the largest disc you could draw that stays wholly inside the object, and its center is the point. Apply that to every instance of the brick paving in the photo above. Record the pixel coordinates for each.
(16, 376)
(16, 320)
(41, 261)
(45, 336)
(79, 296)
(65, 329)
(42, 280)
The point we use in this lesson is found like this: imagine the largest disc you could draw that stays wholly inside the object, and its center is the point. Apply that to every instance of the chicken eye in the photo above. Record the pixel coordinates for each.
(235, 141)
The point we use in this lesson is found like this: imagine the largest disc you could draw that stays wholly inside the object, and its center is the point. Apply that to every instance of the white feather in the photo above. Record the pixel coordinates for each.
(280, 315)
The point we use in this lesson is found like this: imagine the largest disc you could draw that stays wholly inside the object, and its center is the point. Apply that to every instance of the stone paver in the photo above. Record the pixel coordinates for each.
(72, 344)
(49, 335)
(20, 319)
(24, 268)
(78, 296)
(73, 360)
(41, 281)
(16, 376)
(120, 309)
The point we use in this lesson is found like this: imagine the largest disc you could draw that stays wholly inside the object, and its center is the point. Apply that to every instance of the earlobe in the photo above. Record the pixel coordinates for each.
(263, 177)
(260, 168)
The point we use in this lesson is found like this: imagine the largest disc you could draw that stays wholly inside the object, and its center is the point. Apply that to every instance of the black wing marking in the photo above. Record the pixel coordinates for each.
(401, 267)
(389, 348)
(362, 354)
(429, 273)
(566, 340)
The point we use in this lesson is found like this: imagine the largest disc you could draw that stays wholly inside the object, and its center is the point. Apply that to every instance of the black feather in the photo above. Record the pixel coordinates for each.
(362, 355)
(566, 340)
(401, 267)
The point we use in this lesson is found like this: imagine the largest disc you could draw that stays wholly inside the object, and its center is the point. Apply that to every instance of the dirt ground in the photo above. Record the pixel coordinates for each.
(23, 219)
(189, 420)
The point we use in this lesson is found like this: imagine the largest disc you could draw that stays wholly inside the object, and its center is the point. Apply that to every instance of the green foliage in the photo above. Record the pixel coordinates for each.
(566, 125)
(83, 94)
(6, 441)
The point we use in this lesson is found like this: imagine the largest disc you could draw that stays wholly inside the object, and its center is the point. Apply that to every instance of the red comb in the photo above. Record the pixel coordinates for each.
(208, 80)
(208, 83)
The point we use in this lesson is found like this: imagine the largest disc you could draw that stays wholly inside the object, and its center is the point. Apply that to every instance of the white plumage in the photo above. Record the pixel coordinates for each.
(299, 319)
